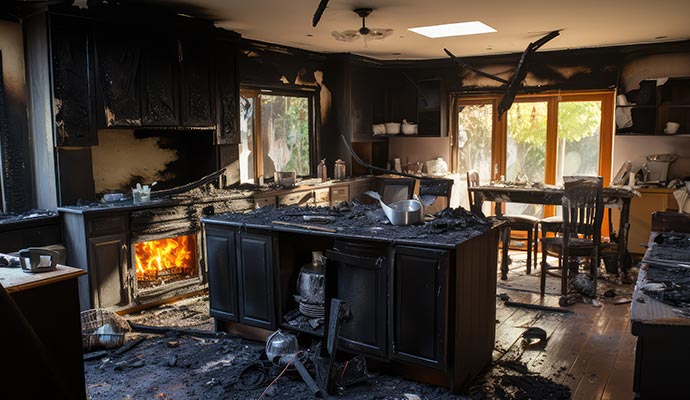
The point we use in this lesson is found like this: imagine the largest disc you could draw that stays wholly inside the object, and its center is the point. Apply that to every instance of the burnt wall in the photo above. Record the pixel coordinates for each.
(125, 157)
(14, 138)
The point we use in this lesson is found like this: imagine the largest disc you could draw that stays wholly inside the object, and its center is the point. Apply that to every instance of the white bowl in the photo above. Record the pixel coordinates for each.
(392, 128)
(378, 129)
(409, 129)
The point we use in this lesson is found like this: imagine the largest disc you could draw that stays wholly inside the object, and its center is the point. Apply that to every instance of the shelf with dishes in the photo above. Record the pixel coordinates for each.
(656, 108)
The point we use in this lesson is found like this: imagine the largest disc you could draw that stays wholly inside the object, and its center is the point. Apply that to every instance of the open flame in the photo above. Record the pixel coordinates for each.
(170, 256)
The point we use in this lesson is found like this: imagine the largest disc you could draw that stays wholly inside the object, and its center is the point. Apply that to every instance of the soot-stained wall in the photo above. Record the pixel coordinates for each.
(16, 165)
(124, 158)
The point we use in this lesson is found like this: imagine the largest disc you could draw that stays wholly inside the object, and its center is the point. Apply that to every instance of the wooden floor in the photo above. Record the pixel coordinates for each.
(590, 350)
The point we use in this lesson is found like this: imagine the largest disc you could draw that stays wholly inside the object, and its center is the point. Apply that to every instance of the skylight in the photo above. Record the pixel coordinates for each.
(457, 29)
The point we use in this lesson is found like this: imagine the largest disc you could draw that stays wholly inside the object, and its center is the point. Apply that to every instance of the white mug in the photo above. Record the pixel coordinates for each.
(671, 127)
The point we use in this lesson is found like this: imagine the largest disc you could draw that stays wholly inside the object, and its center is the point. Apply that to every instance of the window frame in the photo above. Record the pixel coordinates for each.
(499, 129)
(311, 94)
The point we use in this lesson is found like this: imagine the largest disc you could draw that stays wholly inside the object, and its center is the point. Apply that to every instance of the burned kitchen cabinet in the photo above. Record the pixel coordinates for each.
(118, 54)
(108, 267)
(255, 279)
(159, 81)
(360, 271)
(418, 305)
(228, 93)
(221, 264)
(197, 85)
(98, 245)
(72, 83)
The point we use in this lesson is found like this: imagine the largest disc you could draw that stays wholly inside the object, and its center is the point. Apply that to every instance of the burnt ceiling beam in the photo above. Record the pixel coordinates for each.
(520, 71)
(319, 12)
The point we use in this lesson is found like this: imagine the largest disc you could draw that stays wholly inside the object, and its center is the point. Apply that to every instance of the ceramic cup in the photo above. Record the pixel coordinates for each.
(671, 128)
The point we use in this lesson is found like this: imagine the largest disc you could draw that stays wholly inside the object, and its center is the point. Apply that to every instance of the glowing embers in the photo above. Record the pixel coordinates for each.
(164, 261)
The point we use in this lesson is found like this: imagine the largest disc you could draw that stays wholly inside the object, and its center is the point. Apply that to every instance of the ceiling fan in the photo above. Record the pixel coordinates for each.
(367, 33)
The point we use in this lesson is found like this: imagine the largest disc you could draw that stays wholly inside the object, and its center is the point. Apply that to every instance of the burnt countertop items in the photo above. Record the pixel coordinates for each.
(445, 229)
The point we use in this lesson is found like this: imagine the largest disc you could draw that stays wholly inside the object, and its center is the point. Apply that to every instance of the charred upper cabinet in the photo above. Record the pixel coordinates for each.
(118, 54)
(367, 99)
(228, 131)
(255, 279)
(198, 94)
(73, 88)
(159, 80)
(222, 273)
(418, 305)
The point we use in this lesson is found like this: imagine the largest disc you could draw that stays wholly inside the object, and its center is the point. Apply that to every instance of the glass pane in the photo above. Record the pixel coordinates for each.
(285, 134)
(579, 124)
(247, 139)
(474, 145)
(526, 151)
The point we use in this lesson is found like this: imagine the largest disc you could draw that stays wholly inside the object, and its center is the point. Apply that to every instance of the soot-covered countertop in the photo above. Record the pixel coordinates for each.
(445, 229)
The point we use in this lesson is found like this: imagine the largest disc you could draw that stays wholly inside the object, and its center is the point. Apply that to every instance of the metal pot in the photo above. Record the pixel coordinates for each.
(310, 281)
(404, 212)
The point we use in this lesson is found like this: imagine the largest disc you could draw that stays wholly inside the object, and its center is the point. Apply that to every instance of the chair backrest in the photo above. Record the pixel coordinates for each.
(395, 189)
(583, 207)
(475, 199)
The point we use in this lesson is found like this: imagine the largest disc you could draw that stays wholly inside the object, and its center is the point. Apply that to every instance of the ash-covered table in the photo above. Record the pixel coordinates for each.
(422, 298)
(660, 311)
(614, 197)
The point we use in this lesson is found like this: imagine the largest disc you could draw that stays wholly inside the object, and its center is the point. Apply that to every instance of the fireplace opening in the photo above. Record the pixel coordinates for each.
(165, 261)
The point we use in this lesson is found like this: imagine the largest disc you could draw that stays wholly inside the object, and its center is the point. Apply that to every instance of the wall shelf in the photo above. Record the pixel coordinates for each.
(662, 104)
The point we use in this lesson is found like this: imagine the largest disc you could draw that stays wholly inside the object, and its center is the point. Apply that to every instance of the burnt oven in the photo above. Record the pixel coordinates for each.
(165, 256)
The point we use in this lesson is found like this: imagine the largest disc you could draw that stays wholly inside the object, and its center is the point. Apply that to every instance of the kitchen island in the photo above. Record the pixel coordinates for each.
(421, 297)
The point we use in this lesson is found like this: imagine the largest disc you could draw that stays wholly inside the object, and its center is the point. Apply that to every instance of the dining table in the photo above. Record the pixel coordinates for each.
(618, 197)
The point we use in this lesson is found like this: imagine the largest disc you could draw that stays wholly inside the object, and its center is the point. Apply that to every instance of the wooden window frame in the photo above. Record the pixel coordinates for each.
(499, 137)
(255, 91)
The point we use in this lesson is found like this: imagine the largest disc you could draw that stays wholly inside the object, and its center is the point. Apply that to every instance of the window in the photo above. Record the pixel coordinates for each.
(276, 132)
(540, 138)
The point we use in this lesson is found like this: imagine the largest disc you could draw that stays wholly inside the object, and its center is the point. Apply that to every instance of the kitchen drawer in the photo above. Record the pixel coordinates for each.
(322, 196)
(265, 201)
(357, 191)
(107, 225)
(297, 198)
(340, 194)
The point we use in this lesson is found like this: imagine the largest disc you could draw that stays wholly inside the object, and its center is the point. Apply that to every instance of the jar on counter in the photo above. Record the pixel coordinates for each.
(322, 171)
(340, 170)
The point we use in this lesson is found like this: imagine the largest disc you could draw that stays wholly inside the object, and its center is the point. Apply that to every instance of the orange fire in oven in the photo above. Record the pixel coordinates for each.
(170, 256)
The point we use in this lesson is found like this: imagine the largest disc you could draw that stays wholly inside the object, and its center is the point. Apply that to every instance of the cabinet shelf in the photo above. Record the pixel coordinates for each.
(671, 103)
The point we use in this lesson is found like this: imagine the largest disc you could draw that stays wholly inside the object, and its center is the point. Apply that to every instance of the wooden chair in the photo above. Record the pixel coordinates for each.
(395, 189)
(431, 189)
(583, 210)
(526, 223)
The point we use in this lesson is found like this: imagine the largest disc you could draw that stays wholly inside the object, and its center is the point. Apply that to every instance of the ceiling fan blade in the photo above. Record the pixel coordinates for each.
(346, 36)
(377, 33)
(319, 11)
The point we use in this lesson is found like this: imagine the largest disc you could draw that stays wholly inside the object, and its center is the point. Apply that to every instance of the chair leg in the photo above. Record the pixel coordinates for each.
(536, 244)
(544, 268)
(530, 243)
(504, 257)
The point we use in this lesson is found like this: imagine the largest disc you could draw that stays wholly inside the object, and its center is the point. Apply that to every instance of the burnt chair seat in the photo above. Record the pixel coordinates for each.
(547, 225)
(527, 223)
(516, 222)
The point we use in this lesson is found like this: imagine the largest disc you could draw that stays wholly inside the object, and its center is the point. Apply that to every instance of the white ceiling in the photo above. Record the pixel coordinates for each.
(583, 23)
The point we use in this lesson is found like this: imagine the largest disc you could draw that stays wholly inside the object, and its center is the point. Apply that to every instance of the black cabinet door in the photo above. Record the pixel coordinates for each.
(255, 280)
(418, 306)
(198, 95)
(222, 273)
(228, 129)
(118, 54)
(73, 89)
(159, 78)
(361, 282)
(108, 270)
